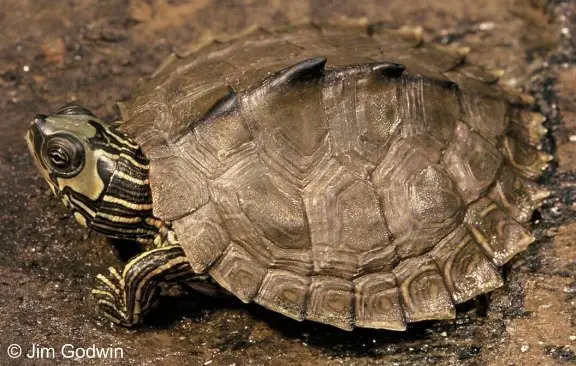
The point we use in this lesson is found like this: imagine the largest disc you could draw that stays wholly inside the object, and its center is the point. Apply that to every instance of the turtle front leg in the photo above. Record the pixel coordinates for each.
(126, 297)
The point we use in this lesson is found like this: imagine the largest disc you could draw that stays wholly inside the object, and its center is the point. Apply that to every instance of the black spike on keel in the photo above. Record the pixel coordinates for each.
(389, 69)
(227, 104)
(309, 69)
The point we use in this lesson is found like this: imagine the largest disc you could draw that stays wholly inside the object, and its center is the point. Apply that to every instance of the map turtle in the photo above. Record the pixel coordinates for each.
(353, 177)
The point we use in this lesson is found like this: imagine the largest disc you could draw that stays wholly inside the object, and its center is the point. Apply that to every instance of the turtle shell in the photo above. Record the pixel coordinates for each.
(354, 177)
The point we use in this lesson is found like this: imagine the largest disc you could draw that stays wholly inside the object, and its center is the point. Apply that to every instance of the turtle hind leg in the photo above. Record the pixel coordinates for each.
(126, 297)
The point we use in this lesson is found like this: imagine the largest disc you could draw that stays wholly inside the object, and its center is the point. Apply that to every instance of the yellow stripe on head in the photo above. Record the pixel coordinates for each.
(97, 172)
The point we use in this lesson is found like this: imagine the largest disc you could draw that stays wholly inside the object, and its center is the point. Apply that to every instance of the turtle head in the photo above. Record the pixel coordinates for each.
(97, 172)
(75, 155)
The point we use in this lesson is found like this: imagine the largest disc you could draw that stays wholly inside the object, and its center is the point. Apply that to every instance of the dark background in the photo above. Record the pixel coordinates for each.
(94, 52)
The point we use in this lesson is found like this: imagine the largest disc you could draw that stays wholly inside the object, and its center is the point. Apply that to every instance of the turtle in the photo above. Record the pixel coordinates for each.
(352, 176)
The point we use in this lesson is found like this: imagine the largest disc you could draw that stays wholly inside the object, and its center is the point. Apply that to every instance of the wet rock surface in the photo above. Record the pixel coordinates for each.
(56, 52)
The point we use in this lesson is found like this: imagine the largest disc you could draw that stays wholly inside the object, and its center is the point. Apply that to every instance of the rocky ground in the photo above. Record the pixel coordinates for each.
(94, 52)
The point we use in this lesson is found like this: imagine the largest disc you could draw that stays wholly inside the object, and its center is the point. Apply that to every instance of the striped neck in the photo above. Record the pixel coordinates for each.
(125, 208)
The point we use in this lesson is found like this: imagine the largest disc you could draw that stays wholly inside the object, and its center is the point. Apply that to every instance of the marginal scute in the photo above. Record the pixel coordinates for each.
(465, 268)
(402, 38)
(284, 292)
(330, 301)
(414, 65)
(517, 97)
(440, 58)
(378, 302)
(349, 25)
(182, 110)
(422, 290)
(527, 126)
(163, 66)
(271, 58)
(478, 73)
(525, 158)
(479, 88)
(238, 272)
(517, 196)
(174, 107)
(361, 49)
(500, 236)
(472, 162)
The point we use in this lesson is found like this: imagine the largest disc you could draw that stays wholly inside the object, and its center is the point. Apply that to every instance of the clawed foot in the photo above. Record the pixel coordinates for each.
(110, 297)
(126, 297)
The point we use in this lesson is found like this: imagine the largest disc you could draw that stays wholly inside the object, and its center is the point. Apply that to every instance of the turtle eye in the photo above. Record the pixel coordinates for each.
(64, 155)
(59, 157)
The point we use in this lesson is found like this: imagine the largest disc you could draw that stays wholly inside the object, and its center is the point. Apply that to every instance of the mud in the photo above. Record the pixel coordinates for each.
(94, 52)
